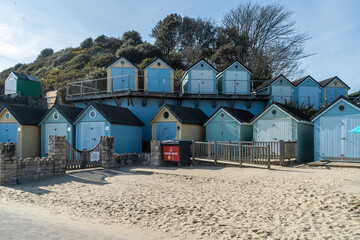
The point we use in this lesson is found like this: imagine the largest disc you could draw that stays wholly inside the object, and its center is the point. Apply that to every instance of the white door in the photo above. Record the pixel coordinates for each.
(202, 81)
(331, 133)
(352, 140)
(236, 82)
(274, 130)
(281, 93)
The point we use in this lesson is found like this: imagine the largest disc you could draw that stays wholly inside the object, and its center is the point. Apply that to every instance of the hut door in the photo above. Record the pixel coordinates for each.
(275, 130)
(166, 131)
(8, 132)
(352, 140)
(202, 81)
(54, 129)
(90, 133)
(236, 82)
(331, 142)
(121, 78)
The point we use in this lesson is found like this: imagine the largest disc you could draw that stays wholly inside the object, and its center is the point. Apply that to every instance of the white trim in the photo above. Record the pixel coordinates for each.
(222, 109)
(306, 122)
(239, 64)
(330, 107)
(202, 60)
(53, 115)
(267, 109)
(316, 82)
(7, 114)
(92, 111)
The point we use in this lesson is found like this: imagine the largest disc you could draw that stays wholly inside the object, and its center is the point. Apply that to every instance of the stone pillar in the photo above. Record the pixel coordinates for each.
(8, 164)
(156, 158)
(107, 152)
(57, 151)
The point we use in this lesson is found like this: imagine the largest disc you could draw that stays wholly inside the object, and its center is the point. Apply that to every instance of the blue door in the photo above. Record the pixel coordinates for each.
(8, 132)
(90, 133)
(159, 80)
(166, 131)
(58, 129)
(122, 79)
(334, 92)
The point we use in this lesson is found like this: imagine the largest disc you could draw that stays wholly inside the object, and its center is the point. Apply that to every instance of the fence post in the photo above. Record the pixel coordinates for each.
(282, 152)
(215, 154)
(81, 88)
(268, 153)
(193, 152)
(209, 150)
(240, 154)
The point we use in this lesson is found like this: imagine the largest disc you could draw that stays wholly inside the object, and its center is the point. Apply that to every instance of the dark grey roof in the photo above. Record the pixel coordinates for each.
(116, 115)
(26, 77)
(69, 113)
(268, 82)
(300, 80)
(186, 115)
(205, 62)
(294, 112)
(26, 115)
(238, 114)
(236, 61)
(325, 82)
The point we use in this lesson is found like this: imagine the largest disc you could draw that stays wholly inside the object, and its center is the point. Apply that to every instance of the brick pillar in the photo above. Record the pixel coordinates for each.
(156, 158)
(8, 163)
(107, 150)
(57, 150)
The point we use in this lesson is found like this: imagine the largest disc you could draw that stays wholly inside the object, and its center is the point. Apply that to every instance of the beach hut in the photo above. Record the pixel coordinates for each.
(122, 76)
(333, 88)
(200, 78)
(279, 88)
(98, 120)
(19, 125)
(333, 135)
(308, 92)
(59, 121)
(229, 124)
(280, 122)
(19, 84)
(159, 77)
(174, 122)
(234, 79)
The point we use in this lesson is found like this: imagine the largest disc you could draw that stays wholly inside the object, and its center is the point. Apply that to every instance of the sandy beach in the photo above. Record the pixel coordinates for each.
(204, 202)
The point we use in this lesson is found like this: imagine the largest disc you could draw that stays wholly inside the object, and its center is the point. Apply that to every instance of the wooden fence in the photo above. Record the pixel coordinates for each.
(76, 159)
(261, 153)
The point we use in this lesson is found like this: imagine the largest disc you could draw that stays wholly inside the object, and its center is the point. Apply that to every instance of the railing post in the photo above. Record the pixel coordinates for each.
(81, 88)
(67, 89)
(193, 152)
(240, 154)
(96, 88)
(282, 150)
(216, 153)
(268, 153)
(209, 150)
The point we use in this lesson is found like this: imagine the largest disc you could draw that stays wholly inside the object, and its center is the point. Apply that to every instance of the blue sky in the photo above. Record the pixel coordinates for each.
(27, 27)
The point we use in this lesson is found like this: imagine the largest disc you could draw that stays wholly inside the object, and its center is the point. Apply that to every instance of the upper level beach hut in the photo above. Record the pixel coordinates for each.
(159, 77)
(19, 125)
(122, 76)
(200, 78)
(279, 88)
(334, 137)
(229, 124)
(234, 79)
(98, 120)
(280, 122)
(308, 92)
(174, 122)
(19, 84)
(59, 121)
(333, 88)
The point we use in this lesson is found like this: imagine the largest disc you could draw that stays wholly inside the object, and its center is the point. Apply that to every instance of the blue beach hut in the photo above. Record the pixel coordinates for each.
(234, 79)
(333, 88)
(200, 78)
(158, 77)
(308, 92)
(59, 121)
(279, 88)
(229, 124)
(98, 120)
(334, 138)
(122, 76)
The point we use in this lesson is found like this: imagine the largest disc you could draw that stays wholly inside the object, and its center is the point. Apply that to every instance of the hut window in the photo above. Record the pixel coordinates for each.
(222, 115)
(7, 115)
(202, 65)
(178, 128)
(335, 83)
(55, 116)
(122, 62)
(159, 64)
(281, 80)
(236, 66)
(341, 108)
(92, 114)
(273, 111)
(166, 115)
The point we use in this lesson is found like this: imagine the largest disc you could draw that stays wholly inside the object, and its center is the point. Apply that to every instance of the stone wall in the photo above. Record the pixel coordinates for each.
(30, 101)
(15, 170)
(156, 158)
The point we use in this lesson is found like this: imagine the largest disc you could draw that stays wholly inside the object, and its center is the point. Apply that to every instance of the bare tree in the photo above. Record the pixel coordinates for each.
(264, 38)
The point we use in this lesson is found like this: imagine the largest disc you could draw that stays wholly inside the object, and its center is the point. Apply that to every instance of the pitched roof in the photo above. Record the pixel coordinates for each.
(325, 82)
(332, 103)
(240, 115)
(236, 61)
(125, 60)
(115, 115)
(26, 77)
(185, 115)
(270, 81)
(25, 115)
(158, 59)
(294, 112)
(69, 113)
(200, 61)
(300, 80)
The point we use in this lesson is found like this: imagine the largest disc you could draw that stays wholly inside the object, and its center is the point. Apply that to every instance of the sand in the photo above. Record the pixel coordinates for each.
(206, 202)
